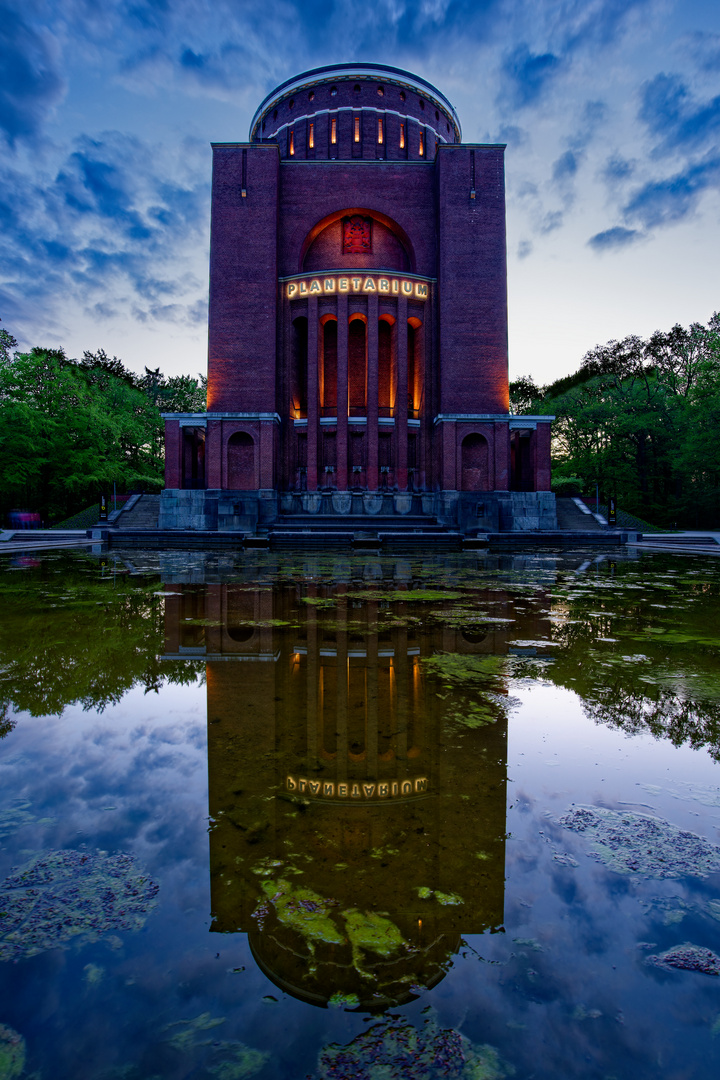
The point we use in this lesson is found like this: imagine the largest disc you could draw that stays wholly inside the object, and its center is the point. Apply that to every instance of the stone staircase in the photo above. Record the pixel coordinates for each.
(140, 514)
(359, 530)
(571, 517)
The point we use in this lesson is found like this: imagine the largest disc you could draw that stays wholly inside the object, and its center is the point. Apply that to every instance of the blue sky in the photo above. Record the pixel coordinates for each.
(610, 109)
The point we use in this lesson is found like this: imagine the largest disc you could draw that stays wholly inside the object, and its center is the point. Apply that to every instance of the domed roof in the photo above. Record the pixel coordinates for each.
(335, 72)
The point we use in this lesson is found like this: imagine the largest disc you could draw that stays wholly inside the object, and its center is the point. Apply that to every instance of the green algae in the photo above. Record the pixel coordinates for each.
(236, 1061)
(370, 932)
(304, 911)
(93, 974)
(446, 899)
(189, 1032)
(409, 596)
(12, 1053)
(343, 1001)
(456, 670)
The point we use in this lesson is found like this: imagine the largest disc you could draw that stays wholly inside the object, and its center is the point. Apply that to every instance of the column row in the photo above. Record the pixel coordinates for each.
(359, 368)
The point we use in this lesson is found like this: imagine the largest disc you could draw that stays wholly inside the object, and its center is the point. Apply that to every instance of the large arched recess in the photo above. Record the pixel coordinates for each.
(349, 211)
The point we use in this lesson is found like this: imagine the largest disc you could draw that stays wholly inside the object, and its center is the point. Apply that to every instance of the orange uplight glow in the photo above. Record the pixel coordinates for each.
(357, 129)
(402, 136)
(333, 131)
(422, 144)
(292, 143)
(380, 132)
(311, 136)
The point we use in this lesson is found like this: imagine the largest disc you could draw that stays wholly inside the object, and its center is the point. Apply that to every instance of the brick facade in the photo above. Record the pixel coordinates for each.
(358, 302)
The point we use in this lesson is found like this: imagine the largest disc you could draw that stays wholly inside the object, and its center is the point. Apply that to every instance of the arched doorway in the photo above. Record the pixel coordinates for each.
(241, 462)
(474, 456)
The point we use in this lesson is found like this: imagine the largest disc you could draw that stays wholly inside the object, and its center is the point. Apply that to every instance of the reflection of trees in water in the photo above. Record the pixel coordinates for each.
(7, 723)
(629, 682)
(664, 714)
(75, 637)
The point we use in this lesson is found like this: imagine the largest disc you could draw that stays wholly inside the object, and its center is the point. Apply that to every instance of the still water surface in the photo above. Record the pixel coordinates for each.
(372, 817)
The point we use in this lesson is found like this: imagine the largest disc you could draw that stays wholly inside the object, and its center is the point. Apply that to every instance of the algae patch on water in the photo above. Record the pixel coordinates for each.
(687, 957)
(393, 1050)
(303, 910)
(63, 897)
(12, 1053)
(635, 843)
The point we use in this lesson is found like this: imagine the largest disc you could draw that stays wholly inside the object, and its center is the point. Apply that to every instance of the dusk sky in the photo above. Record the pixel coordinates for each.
(610, 109)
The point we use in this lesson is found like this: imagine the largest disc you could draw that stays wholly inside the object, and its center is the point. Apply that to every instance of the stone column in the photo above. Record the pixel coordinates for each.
(342, 393)
(213, 453)
(502, 455)
(314, 344)
(372, 393)
(542, 457)
(173, 454)
(401, 394)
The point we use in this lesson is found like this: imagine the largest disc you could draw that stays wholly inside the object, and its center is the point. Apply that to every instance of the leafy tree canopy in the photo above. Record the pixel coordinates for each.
(71, 429)
(640, 419)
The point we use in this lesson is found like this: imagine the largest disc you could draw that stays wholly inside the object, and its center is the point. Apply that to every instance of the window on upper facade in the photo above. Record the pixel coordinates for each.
(357, 129)
(380, 131)
(333, 131)
(421, 150)
(402, 136)
(291, 147)
(311, 136)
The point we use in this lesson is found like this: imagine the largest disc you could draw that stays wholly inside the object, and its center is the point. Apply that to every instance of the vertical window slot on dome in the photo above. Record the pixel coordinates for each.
(357, 129)
(243, 189)
(402, 136)
(291, 148)
(380, 132)
(311, 137)
(421, 149)
(333, 131)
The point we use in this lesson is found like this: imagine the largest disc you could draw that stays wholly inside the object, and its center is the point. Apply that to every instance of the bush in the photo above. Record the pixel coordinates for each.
(566, 486)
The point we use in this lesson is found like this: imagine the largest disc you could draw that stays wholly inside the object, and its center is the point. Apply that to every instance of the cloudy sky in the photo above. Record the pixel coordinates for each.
(610, 109)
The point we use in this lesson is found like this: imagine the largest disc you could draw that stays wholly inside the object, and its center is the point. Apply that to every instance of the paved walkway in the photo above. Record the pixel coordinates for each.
(42, 539)
(693, 541)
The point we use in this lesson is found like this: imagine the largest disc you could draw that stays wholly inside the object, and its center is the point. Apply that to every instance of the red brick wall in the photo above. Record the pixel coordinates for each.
(243, 280)
(472, 281)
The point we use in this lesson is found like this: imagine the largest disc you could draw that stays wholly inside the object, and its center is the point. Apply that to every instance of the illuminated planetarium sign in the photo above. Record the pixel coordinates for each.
(358, 282)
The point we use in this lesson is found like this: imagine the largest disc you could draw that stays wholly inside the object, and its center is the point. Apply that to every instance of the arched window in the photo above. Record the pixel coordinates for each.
(386, 370)
(357, 368)
(328, 373)
(241, 462)
(298, 391)
(474, 457)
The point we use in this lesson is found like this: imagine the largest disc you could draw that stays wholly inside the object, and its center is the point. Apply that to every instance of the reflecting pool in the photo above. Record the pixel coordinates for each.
(315, 815)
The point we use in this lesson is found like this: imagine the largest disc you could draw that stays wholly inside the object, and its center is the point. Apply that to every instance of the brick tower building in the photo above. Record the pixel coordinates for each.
(358, 321)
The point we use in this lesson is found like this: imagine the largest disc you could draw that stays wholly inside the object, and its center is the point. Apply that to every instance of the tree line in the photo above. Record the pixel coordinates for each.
(71, 429)
(640, 418)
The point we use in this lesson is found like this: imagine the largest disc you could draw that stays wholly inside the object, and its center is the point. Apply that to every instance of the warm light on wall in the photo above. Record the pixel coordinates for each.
(357, 129)
(422, 144)
(311, 137)
(292, 143)
(380, 132)
(333, 131)
(402, 136)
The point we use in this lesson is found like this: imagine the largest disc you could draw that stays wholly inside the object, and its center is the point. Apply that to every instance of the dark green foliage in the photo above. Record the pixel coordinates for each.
(640, 419)
(70, 430)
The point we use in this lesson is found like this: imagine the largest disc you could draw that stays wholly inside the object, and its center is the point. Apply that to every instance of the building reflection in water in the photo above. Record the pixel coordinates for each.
(356, 832)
